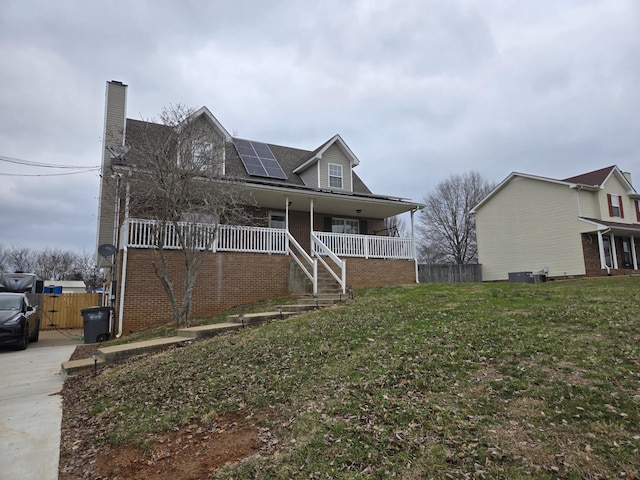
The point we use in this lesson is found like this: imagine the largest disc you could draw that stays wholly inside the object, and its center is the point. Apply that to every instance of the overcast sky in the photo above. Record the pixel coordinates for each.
(420, 90)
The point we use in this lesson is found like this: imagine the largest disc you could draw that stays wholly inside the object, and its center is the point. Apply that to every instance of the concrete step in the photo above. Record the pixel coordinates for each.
(257, 318)
(127, 350)
(296, 308)
(322, 300)
(111, 354)
(205, 331)
(74, 367)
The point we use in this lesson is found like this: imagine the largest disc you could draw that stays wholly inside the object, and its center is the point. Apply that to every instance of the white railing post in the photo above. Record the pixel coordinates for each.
(315, 277)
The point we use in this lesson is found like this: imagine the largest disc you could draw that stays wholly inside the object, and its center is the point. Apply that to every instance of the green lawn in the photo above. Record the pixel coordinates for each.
(430, 381)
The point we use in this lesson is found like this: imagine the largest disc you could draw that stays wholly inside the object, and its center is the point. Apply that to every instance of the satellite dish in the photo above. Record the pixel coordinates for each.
(106, 249)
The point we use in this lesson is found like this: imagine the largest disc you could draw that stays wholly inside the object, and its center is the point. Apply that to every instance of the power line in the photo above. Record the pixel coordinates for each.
(45, 165)
(95, 169)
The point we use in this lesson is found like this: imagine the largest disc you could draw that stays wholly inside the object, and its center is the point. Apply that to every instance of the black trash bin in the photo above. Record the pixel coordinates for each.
(96, 324)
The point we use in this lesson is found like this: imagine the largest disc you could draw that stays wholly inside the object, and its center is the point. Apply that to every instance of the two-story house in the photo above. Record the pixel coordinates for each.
(310, 213)
(587, 225)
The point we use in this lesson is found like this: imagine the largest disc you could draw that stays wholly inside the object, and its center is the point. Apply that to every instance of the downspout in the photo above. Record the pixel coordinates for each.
(110, 299)
(124, 239)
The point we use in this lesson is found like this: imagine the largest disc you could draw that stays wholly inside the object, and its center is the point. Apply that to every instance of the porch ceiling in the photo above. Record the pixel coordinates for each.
(350, 205)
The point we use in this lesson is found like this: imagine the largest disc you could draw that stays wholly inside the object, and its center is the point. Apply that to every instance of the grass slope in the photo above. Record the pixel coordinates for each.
(430, 381)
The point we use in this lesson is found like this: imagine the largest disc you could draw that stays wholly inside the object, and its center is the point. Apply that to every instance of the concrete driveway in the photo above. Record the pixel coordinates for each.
(30, 410)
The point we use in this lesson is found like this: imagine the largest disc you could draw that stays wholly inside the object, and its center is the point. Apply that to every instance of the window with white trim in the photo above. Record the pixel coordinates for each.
(202, 155)
(345, 225)
(615, 206)
(277, 220)
(335, 175)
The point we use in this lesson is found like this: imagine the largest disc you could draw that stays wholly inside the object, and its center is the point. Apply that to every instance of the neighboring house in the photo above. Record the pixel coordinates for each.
(587, 225)
(65, 286)
(314, 214)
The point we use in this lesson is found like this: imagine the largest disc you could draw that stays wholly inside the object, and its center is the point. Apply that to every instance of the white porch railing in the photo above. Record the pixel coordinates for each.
(228, 238)
(298, 253)
(368, 246)
(320, 250)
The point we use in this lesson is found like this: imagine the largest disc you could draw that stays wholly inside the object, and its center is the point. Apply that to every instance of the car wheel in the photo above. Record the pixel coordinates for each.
(24, 342)
(36, 334)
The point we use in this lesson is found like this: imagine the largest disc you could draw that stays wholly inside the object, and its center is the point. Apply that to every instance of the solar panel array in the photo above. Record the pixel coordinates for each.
(258, 159)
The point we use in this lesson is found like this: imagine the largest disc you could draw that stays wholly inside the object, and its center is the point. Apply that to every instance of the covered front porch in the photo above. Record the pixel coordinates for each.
(611, 248)
(337, 226)
(329, 249)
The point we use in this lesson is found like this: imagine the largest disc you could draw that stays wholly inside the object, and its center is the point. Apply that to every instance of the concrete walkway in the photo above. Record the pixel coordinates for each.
(30, 410)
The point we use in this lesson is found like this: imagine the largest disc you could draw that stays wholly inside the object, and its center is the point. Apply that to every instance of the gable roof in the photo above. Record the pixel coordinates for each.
(590, 181)
(318, 152)
(205, 112)
(597, 177)
(290, 159)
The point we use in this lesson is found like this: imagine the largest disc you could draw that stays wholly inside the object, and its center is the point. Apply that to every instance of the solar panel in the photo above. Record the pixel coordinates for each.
(258, 159)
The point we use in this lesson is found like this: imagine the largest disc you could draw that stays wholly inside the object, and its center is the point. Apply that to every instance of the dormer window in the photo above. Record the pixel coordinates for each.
(335, 175)
(202, 153)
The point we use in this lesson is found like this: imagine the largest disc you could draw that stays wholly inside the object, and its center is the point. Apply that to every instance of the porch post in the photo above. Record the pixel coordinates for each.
(286, 213)
(311, 249)
(603, 264)
(286, 223)
(413, 244)
(614, 254)
(633, 253)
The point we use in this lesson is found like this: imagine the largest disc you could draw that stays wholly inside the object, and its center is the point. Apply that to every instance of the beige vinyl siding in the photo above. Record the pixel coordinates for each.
(114, 122)
(335, 155)
(528, 225)
(588, 203)
(613, 186)
(310, 176)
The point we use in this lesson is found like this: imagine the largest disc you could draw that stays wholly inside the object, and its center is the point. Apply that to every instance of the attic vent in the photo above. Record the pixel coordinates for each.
(258, 159)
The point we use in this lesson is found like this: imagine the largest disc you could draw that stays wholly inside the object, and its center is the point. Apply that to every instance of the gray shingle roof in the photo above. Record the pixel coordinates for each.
(288, 157)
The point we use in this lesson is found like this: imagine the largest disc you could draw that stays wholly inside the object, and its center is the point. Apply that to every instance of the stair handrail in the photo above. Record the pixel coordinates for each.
(312, 262)
(320, 249)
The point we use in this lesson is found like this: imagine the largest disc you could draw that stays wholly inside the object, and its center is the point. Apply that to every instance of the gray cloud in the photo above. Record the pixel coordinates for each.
(420, 90)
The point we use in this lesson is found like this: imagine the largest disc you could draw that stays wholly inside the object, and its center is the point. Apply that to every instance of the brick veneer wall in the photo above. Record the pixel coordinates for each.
(226, 280)
(366, 272)
(592, 256)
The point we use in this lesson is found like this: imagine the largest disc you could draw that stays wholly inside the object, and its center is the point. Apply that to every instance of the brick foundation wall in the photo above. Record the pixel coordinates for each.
(362, 272)
(226, 280)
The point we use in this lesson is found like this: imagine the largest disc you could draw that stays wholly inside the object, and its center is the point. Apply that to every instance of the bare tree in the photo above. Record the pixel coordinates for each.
(51, 264)
(88, 271)
(20, 259)
(447, 231)
(4, 257)
(55, 264)
(176, 179)
(395, 226)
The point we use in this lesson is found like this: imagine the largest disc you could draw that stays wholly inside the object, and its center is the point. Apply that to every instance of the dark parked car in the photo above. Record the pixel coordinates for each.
(19, 321)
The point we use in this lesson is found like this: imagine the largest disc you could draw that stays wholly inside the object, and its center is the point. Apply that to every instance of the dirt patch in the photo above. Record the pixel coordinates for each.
(83, 351)
(192, 452)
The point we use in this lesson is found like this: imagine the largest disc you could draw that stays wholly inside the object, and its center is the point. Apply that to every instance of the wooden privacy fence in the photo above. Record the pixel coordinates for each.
(449, 273)
(63, 311)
